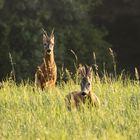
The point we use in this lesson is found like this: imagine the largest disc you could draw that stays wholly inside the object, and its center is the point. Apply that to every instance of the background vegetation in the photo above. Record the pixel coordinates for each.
(38, 115)
(82, 26)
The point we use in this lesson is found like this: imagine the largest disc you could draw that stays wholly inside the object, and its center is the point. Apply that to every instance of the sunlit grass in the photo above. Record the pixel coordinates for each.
(26, 113)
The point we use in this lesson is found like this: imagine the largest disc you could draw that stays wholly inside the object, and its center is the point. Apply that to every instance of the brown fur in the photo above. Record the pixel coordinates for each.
(46, 73)
(74, 99)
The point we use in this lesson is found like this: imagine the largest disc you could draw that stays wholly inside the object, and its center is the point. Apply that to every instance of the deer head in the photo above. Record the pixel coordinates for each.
(48, 42)
(86, 79)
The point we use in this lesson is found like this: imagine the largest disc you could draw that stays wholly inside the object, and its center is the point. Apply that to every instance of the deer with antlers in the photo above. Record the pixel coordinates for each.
(46, 73)
(74, 99)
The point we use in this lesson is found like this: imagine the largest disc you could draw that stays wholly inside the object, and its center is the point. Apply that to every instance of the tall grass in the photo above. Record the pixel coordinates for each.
(38, 115)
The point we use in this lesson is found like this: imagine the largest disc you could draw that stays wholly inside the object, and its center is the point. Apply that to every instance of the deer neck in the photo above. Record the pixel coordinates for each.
(90, 93)
(49, 59)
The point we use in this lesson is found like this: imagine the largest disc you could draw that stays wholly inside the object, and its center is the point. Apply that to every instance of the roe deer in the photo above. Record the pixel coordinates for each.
(46, 73)
(75, 98)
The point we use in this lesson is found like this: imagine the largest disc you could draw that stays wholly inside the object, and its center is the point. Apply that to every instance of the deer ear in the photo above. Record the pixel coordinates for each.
(90, 69)
(52, 33)
(90, 73)
(52, 37)
(81, 71)
(44, 37)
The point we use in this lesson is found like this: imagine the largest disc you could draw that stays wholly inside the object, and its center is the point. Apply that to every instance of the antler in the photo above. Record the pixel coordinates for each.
(85, 71)
(45, 33)
(82, 71)
(52, 32)
(88, 71)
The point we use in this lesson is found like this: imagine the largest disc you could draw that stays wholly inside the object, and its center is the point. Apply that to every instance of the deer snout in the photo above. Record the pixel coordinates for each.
(49, 50)
(84, 93)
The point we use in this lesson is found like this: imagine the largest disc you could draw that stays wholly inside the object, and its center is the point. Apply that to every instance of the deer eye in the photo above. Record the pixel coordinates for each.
(45, 45)
(88, 84)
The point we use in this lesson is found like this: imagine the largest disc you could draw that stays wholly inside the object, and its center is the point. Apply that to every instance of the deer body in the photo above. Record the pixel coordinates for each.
(74, 99)
(46, 73)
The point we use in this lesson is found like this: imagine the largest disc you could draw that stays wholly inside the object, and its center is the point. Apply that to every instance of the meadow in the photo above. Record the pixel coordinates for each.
(27, 114)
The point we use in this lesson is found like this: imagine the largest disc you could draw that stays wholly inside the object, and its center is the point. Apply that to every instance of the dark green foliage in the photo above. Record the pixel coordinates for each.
(122, 19)
(20, 34)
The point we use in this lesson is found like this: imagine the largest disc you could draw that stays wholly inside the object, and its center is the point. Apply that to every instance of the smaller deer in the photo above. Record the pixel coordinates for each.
(74, 99)
(46, 73)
